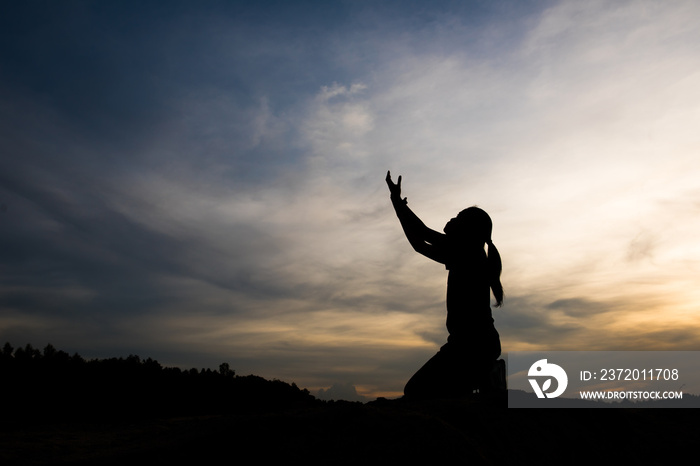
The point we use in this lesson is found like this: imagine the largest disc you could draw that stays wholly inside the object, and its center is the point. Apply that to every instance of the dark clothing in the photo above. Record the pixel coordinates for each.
(455, 371)
(468, 294)
(473, 344)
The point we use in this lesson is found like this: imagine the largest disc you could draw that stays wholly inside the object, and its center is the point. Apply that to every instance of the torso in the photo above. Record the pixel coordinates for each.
(468, 296)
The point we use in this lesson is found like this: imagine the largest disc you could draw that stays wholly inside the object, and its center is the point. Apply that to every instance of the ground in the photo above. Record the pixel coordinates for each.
(380, 432)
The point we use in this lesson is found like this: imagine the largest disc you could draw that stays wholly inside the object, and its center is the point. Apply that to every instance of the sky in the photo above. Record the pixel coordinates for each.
(203, 182)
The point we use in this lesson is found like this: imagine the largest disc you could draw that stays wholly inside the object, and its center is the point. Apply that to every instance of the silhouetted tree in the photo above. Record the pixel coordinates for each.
(49, 351)
(52, 384)
(225, 370)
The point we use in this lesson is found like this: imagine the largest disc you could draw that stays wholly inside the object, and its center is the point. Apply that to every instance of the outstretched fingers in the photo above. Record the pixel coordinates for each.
(394, 188)
(390, 182)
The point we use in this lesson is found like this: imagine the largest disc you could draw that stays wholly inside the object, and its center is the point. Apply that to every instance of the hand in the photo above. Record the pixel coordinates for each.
(394, 188)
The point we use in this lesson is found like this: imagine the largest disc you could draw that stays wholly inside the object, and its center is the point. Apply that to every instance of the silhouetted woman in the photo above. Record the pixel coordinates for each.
(473, 344)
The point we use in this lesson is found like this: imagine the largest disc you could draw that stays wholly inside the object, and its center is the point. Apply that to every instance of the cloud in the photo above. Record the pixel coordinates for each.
(334, 90)
(578, 307)
(641, 247)
(341, 391)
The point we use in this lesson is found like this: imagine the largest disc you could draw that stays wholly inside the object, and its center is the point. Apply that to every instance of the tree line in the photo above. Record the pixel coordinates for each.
(52, 384)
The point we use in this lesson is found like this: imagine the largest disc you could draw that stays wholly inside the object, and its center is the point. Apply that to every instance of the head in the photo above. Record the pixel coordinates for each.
(472, 225)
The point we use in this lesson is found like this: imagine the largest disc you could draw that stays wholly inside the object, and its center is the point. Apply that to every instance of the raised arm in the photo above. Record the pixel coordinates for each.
(428, 242)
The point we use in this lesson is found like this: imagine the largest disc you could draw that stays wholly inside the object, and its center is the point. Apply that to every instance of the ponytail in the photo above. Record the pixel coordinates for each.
(495, 266)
